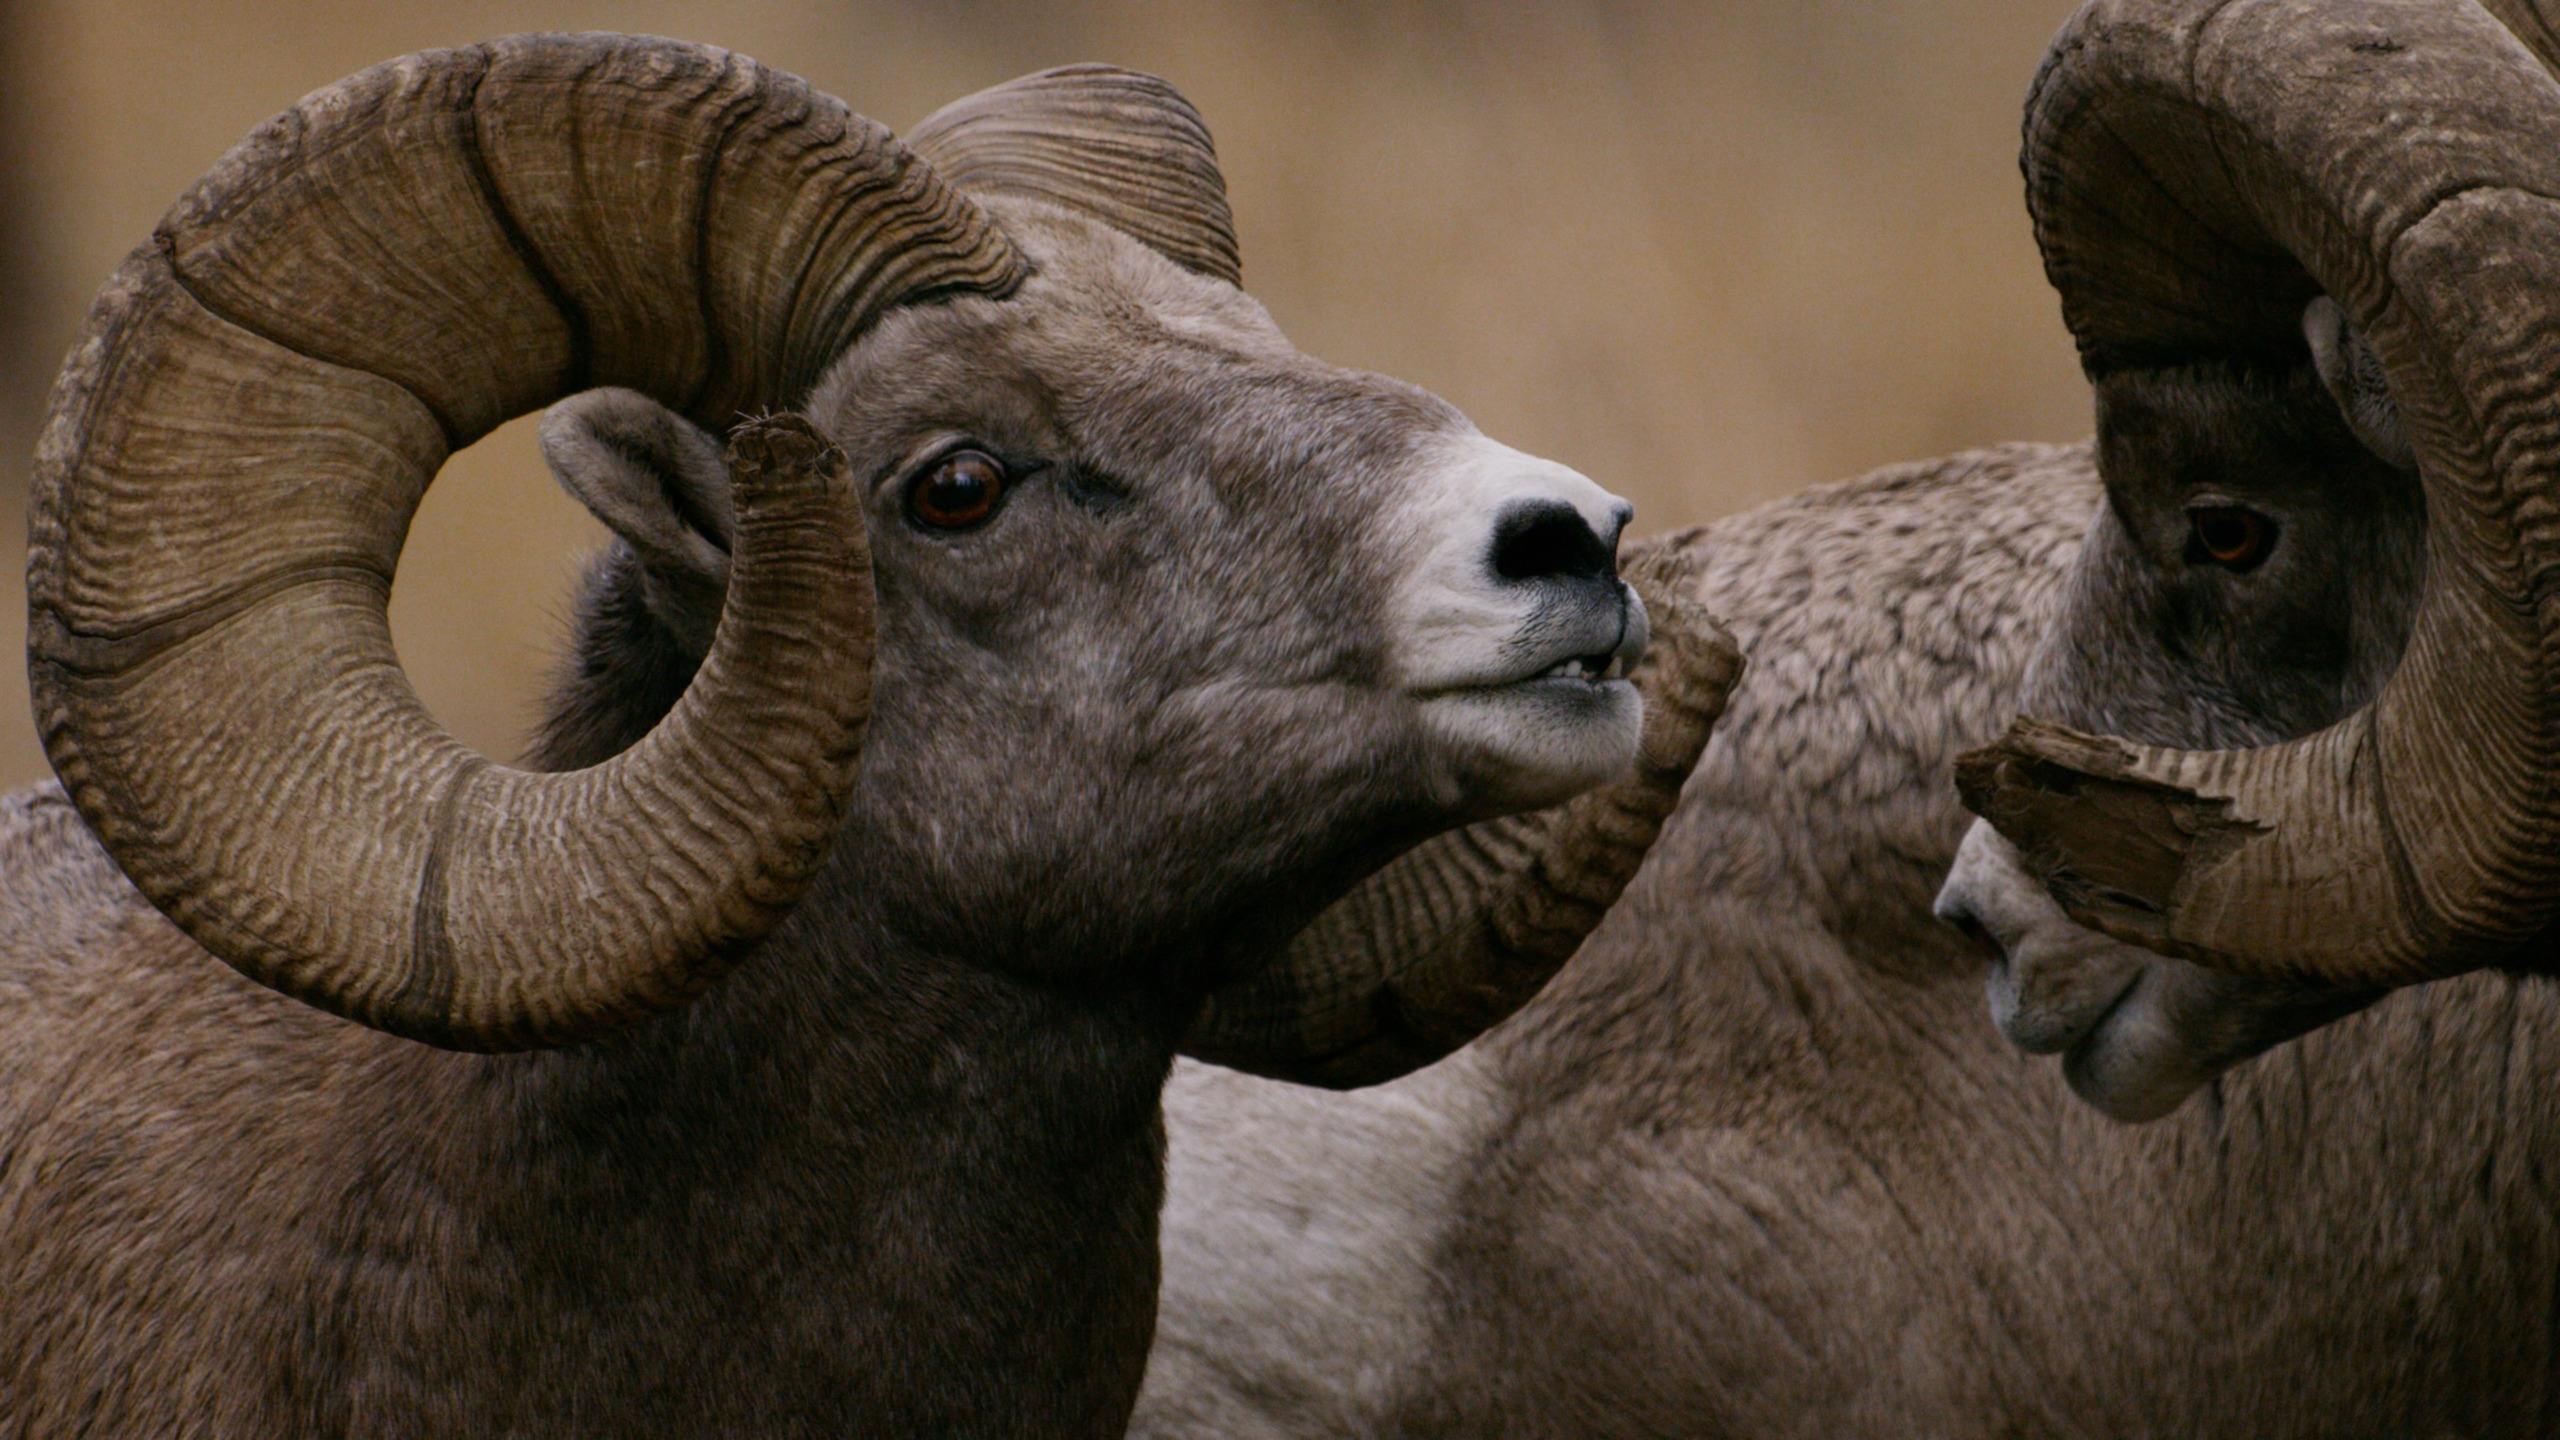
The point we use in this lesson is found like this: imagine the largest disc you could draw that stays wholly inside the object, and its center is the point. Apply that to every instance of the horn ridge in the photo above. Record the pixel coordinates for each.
(2195, 176)
(260, 399)
(1118, 146)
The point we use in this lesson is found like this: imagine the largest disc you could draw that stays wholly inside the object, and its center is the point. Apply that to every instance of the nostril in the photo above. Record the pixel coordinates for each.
(1961, 916)
(1549, 540)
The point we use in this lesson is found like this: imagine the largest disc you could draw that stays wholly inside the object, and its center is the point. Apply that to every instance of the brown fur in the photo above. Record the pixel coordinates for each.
(1757, 1164)
(896, 1175)
(2152, 641)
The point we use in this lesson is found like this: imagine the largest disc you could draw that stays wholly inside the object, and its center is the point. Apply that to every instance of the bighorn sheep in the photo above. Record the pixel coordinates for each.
(2310, 256)
(1755, 1164)
(1180, 634)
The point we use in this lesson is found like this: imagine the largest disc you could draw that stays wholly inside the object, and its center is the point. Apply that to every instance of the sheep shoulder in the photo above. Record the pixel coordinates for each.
(149, 1202)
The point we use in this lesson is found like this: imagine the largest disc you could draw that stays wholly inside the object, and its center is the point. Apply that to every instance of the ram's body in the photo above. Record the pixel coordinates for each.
(1757, 1164)
(230, 1211)
(1077, 646)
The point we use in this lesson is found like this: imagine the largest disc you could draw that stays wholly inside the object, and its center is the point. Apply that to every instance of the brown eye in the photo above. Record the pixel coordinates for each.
(961, 490)
(2234, 537)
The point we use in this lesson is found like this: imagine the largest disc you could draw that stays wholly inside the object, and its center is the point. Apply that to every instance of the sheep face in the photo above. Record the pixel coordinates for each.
(1167, 609)
(2357, 788)
(1240, 620)
(2250, 580)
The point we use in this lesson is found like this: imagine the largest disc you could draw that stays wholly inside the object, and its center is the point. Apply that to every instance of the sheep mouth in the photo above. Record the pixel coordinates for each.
(2033, 1018)
(1548, 720)
(1575, 650)
(2080, 1044)
(1596, 669)
(1574, 675)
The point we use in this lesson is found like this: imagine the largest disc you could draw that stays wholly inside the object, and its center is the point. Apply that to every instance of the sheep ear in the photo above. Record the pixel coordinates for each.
(2355, 379)
(661, 483)
(1115, 145)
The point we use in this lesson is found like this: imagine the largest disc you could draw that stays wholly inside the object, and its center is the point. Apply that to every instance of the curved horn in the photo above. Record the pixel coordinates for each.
(2531, 21)
(1115, 145)
(1456, 934)
(2196, 174)
(370, 281)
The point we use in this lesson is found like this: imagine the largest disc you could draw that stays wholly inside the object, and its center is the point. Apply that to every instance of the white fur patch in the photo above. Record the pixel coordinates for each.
(1455, 622)
(1468, 641)
(1300, 1229)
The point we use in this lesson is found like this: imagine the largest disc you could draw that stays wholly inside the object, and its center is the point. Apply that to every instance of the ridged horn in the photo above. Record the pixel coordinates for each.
(264, 391)
(1114, 145)
(2531, 21)
(2196, 173)
(1452, 937)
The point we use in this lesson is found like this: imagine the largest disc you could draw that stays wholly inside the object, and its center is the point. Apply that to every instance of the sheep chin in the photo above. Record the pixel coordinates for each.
(1537, 742)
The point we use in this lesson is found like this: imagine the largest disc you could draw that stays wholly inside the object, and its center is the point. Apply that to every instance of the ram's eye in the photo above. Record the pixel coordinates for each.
(962, 489)
(2234, 537)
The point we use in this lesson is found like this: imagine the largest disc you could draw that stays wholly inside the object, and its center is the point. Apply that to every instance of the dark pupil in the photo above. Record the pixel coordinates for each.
(961, 491)
(2230, 534)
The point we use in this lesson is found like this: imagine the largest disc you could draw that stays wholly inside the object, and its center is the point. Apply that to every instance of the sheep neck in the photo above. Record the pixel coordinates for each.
(827, 1146)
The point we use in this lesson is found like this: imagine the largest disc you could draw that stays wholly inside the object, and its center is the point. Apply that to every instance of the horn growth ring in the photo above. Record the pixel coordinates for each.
(258, 402)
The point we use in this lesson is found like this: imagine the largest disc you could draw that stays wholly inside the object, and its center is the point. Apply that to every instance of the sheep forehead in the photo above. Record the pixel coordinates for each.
(1085, 266)
(1142, 351)
(1128, 363)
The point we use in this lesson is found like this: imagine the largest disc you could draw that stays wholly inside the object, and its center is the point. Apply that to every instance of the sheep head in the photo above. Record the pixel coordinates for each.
(1117, 626)
(2295, 719)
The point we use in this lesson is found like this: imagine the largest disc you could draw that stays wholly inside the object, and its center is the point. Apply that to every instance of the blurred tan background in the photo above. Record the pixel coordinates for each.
(1708, 251)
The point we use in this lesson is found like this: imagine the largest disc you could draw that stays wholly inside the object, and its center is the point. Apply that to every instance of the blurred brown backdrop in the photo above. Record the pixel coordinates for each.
(1709, 251)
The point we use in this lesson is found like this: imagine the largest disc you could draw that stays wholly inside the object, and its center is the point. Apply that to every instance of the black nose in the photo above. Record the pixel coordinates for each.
(1549, 540)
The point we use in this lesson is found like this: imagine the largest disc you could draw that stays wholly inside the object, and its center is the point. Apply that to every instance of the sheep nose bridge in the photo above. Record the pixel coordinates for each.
(1544, 539)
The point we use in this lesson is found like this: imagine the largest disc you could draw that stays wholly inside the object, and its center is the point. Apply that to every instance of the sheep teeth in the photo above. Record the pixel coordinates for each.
(1592, 669)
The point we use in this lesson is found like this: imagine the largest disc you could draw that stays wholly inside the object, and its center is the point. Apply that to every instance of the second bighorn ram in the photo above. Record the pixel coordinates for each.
(2309, 659)
(1756, 1165)
(793, 1066)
